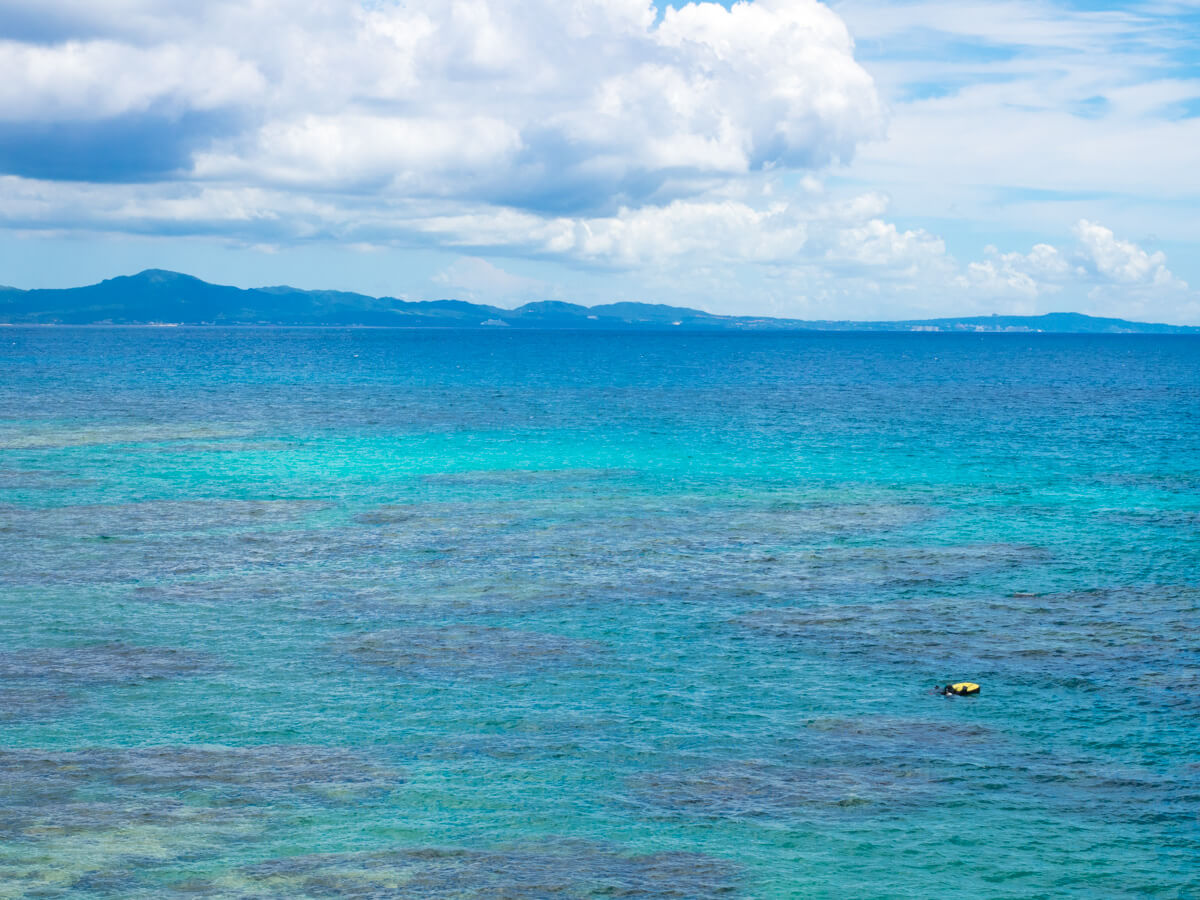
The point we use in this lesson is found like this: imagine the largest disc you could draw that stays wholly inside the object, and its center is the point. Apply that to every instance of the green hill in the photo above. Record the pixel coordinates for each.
(157, 296)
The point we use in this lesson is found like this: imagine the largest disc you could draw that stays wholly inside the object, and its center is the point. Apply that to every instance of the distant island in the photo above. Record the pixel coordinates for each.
(158, 297)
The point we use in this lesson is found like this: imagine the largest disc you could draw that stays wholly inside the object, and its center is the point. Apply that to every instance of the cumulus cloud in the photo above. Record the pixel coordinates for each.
(573, 107)
(877, 244)
(103, 79)
(532, 104)
(598, 131)
(715, 229)
(1022, 275)
(410, 155)
(1100, 264)
(1122, 261)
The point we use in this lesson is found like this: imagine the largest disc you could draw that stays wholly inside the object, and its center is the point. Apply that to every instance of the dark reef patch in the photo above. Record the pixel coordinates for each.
(100, 664)
(32, 704)
(891, 738)
(496, 478)
(55, 437)
(914, 566)
(818, 522)
(1187, 520)
(467, 650)
(219, 590)
(1065, 639)
(101, 788)
(568, 870)
(692, 551)
(752, 788)
(138, 543)
(125, 520)
(108, 821)
(41, 480)
(390, 514)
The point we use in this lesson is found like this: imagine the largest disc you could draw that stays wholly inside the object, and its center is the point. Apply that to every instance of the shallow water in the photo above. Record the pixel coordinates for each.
(385, 613)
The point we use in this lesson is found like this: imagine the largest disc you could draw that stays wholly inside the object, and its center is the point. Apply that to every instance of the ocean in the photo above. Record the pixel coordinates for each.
(386, 613)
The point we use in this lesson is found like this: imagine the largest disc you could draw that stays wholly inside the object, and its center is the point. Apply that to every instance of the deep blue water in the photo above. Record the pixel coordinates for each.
(369, 613)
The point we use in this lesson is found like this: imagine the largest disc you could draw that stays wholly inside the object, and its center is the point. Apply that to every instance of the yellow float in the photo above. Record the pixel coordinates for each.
(962, 688)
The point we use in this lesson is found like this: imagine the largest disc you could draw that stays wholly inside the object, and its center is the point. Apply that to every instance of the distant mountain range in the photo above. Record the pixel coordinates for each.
(160, 297)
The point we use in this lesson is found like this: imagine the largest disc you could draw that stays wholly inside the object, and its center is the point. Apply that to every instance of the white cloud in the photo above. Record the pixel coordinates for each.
(1101, 273)
(350, 151)
(531, 103)
(713, 229)
(101, 79)
(594, 132)
(1024, 276)
(685, 149)
(1121, 261)
(877, 243)
(478, 280)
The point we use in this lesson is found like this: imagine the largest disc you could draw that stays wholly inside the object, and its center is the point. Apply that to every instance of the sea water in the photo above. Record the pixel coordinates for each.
(377, 613)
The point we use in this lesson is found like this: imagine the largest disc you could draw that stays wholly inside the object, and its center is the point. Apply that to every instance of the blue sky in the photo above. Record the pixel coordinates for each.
(861, 159)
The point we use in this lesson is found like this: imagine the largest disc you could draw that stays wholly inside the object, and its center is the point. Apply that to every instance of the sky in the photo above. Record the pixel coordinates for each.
(861, 159)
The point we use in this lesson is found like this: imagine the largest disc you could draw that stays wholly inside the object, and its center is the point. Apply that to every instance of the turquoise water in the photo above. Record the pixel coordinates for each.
(290, 613)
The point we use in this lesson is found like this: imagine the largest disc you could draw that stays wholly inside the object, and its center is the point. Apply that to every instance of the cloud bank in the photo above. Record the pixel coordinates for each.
(536, 105)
